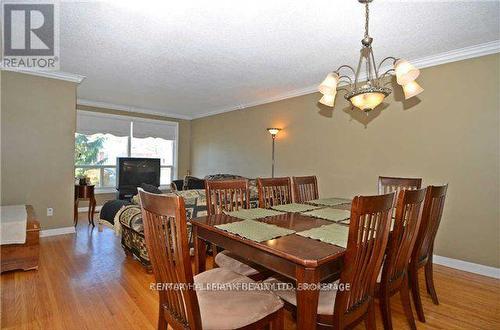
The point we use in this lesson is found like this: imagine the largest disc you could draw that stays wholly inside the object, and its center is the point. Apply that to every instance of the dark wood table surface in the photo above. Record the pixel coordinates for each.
(301, 259)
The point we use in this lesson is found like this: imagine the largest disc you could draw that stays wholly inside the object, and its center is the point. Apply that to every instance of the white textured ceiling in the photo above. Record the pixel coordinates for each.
(196, 57)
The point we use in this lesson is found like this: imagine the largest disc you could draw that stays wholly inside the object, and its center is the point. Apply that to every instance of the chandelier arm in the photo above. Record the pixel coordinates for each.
(394, 60)
(374, 65)
(345, 66)
(347, 77)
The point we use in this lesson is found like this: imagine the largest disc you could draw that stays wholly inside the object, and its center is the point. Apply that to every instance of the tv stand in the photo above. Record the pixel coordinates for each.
(125, 194)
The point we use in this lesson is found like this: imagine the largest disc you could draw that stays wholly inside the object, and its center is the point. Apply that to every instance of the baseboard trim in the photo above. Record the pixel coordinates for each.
(57, 231)
(467, 266)
(86, 209)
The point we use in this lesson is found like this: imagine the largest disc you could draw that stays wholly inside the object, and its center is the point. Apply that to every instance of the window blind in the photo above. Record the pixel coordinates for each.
(155, 129)
(89, 123)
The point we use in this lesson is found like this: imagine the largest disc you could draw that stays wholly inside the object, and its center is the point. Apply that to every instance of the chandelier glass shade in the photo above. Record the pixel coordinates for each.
(369, 94)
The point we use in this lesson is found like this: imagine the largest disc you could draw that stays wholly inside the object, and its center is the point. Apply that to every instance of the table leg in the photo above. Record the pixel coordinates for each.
(75, 213)
(92, 203)
(307, 297)
(200, 252)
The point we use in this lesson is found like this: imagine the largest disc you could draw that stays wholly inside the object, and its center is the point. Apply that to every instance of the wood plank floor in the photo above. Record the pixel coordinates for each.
(85, 281)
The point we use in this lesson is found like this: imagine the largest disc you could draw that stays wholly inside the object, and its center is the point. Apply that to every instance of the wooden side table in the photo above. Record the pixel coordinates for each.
(85, 192)
(23, 256)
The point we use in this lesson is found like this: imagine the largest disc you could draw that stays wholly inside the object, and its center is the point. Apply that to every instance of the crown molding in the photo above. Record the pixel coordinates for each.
(59, 75)
(465, 53)
(126, 108)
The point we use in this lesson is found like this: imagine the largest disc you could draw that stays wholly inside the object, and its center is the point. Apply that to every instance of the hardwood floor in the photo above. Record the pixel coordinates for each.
(85, 281)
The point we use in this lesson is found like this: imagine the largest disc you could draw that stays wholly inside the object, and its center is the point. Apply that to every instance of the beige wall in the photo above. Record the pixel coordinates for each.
(450, 134)
(184, 152)
(37, 140)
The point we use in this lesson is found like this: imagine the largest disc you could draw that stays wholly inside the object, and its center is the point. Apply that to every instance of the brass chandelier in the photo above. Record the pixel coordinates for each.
(368, 95)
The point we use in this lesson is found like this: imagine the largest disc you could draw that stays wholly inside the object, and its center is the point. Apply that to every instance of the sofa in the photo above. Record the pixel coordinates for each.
(127, 221)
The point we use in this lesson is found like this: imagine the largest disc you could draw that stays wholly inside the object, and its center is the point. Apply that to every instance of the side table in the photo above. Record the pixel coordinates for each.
(85, 192)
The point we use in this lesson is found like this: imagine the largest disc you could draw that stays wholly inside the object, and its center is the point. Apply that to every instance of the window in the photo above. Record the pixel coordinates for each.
(101, 138)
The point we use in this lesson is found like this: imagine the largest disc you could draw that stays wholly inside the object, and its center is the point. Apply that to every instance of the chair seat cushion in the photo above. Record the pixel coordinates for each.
(235, 308)
(226, 260)
(326, 297)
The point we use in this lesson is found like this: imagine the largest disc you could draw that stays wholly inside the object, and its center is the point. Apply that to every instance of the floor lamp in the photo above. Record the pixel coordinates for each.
(273, 131)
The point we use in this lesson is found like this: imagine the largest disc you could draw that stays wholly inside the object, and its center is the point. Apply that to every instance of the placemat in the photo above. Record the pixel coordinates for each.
(295, 207)
(331, 234)
(329, 214)
(252, 214)
(330, 201)
(254, 230)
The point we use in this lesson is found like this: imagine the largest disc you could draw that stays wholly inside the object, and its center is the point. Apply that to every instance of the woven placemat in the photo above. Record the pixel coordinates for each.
(330, 201)
(252, 214)
(255, 231)
(295, 207)
(329, 214)
(331, 234)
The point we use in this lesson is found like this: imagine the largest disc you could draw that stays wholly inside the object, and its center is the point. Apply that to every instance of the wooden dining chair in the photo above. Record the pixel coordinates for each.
(394, 275)
(367, 240)
(274, 191)
(181, 305)
(227, 196)
(305, 188)
(387, 184)
(424, 245)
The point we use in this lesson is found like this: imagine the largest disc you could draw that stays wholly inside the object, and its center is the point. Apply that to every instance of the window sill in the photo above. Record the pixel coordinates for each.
(112, 190)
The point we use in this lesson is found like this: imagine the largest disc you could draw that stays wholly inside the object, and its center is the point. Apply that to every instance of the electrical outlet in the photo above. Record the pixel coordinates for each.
(50, 211)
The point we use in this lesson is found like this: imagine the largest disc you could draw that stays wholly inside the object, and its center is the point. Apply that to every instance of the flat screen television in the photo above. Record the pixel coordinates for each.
(132, 172)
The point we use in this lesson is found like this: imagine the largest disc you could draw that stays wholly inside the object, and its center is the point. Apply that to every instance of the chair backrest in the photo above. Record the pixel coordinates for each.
(409, 208)
(431, 217)
(305, 188)
(368, 234)
(388, 184)
(226, 195)
(274, 191)
(165, 233)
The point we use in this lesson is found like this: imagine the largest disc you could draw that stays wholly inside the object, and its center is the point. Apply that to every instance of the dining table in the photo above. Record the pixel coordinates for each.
(303, 260)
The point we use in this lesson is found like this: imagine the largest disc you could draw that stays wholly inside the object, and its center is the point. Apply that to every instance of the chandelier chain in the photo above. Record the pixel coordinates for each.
(367, 19)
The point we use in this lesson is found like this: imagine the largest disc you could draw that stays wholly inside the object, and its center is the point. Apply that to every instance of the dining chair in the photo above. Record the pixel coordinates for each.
(394, 274)
(274, 191)
(227, 196)
(182, 305)
(424, 245)
(367, 240)
(387, 184)
(305, 188)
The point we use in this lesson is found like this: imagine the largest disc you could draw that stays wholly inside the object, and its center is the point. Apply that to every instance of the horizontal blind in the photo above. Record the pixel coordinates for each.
(89, 123)
(156, 129)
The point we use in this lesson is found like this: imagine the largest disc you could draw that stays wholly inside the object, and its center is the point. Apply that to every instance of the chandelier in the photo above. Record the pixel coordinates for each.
(369, 94)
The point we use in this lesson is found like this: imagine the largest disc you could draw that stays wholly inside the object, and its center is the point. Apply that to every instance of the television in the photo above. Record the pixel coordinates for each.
(132, 172)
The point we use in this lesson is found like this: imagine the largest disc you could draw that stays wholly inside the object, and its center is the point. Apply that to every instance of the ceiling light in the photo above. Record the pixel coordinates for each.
(370, 94)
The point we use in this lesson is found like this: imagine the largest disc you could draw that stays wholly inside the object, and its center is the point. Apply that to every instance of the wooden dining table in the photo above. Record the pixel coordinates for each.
(301, 259)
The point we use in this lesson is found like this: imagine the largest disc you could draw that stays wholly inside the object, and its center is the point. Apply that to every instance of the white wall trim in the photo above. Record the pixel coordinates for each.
(488, 48)
(59, 75)
(126, 108)
(57, 231)
(86, 208)
(467, 266)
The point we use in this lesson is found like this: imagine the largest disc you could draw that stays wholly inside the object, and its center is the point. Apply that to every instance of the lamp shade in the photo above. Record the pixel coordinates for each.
(328, 100)
(329, 85)
(405, 72)
(412, 89)
(367, 101)
(273, 130)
